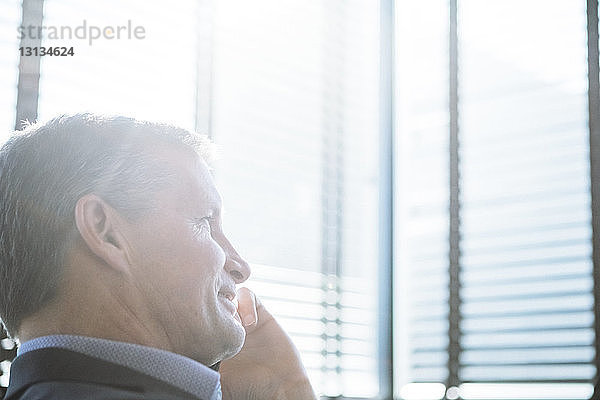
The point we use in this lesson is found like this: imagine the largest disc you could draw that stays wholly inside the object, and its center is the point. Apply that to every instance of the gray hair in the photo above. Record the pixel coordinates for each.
(46, 168)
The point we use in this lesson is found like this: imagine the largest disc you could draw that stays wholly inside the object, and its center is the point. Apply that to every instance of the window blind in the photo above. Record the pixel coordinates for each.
(526, 268)
(526, 287)
(422, 196)
(295, 110)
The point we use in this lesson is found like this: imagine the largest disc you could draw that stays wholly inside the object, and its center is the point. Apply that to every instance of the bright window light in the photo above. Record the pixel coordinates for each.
(526, 391)
(423, 391)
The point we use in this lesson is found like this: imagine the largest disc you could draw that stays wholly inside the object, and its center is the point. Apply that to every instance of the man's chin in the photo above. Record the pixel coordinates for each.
(233, 340)
(241, 337)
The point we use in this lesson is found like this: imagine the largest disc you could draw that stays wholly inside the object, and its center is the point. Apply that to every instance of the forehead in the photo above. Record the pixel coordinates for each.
(192, 185)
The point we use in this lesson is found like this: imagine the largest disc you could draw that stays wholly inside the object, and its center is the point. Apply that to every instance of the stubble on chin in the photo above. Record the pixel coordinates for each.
(227, 339)
(234, 342)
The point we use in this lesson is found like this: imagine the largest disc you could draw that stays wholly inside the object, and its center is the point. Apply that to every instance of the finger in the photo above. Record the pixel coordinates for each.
(247, 307)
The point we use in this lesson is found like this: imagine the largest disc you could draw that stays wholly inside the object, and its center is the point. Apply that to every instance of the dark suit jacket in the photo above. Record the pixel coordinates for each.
(54, 373)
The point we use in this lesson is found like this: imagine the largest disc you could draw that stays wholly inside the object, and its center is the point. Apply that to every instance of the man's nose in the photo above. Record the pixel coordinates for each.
(237, 267)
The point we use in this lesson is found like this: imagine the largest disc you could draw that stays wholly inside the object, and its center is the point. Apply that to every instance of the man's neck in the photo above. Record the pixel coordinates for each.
(105, 317)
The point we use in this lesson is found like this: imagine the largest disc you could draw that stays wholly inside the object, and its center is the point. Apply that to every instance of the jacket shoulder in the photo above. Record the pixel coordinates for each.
(80, 390)
(62, 374)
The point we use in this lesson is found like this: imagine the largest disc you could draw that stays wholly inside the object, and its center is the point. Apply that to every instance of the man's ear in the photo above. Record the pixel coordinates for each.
(97, 223)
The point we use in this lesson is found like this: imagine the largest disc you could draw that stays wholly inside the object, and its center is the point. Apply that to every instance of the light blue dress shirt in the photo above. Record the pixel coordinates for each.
(174, 369)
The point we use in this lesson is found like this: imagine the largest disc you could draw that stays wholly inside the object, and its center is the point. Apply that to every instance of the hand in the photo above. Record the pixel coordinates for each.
(268, 366)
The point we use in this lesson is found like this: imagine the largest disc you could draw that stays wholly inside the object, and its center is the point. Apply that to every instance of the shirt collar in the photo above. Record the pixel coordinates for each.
(177, 370)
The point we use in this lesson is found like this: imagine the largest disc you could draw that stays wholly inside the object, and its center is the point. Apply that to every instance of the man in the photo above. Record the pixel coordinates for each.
(116, 275)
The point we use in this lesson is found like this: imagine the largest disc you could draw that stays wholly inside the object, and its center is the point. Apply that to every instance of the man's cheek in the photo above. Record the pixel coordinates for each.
(214, 256)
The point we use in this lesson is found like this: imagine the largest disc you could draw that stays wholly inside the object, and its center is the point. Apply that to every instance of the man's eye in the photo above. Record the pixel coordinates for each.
(202, 225)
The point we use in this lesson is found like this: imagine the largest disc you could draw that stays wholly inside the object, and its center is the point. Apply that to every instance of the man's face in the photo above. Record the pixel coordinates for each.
(184, 266)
